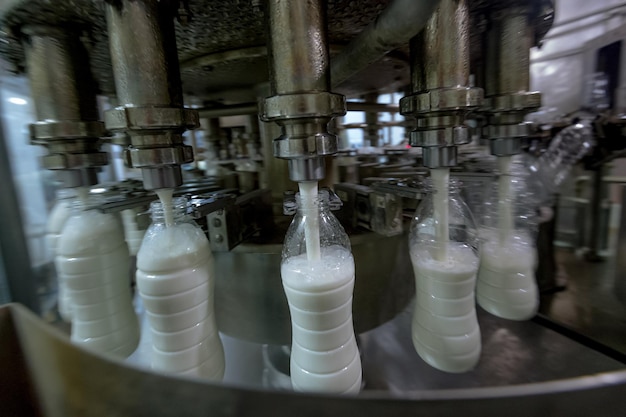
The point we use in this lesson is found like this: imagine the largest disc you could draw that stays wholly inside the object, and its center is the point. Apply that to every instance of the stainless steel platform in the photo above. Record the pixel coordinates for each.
(525, 370)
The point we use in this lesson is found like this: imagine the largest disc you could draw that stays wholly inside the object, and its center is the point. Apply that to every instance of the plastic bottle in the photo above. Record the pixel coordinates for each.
(506, 286)
(445, 329)
(176, 279)
(324, 353)
(59, 215)
(133, 230)
(93, 263)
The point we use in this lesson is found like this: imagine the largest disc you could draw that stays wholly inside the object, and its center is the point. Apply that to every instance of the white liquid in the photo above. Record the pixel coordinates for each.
(165, 195)
(59, 215)
(132, 233)
(324, 354)
(441, 181)
(93, 262)
(445, 329)
(505, 197)
(506, 280)
(308, 197)
(175, 278)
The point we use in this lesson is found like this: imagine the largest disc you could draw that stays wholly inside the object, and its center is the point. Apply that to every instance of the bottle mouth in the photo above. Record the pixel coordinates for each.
(179, 206)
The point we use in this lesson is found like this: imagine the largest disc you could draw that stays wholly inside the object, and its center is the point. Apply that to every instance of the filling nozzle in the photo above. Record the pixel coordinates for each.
(309, 169)
(167, 176)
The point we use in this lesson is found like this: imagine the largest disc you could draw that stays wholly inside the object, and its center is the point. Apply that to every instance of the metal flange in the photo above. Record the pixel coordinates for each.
(316, 144)
(509, 131)
(61, 130)
(56, 161)
(442, 99)
(151, 118)
(303, 106)
(151, 157)
(523, 101)
(446, 136)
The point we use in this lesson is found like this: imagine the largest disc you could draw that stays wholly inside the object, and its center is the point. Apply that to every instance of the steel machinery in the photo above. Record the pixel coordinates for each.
(260, 88)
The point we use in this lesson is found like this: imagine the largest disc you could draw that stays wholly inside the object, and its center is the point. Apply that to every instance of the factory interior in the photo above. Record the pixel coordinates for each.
(270, 207)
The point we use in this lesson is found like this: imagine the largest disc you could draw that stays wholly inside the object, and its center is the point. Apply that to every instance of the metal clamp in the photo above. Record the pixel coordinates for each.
(63, 129)
(174, 155)
(442, 99)
(446, 136)
(57, 161)
(314, 144)
(302, 106)
(522, 101)
(151, 118)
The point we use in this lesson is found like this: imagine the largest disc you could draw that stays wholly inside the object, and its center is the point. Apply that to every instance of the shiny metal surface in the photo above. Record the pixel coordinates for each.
(251, 304)
(147, 77)
(62, 380)
(64, 95)
(441, 96)
(299, 80)
(507, 78)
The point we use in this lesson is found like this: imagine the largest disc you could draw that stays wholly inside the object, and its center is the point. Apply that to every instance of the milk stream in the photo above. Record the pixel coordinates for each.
(309, 206)
(176, 279)
(441, 183)
(165, 195)
(59, 215)
(324, 353)
(445, 330)
(506, 279)
(92, 260)
(505, 197)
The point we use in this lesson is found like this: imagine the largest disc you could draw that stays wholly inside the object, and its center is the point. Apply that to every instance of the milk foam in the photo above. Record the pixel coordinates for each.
(325, 357)
(446, 334)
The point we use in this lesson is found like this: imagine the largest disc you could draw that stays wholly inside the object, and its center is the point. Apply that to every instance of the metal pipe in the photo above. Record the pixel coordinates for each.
(298, 48)
(516, 41)
(143, 53)
(64, 95)
(507, 79)
(441, 96)
(399, 22)
(142, 42)
(299, 79)
(440, 52)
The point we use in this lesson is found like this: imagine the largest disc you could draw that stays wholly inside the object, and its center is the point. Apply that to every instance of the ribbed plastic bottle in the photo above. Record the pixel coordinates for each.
(324, 353)
(59, 215)
(92, 260)
(176, 280)
(506, 286)
(444, 252)
(133, 230)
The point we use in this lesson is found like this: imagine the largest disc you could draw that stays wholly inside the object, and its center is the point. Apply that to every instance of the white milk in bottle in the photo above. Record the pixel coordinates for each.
(443, 249)
(59, 215)
(507, 287)
(319, 287)
(176, 279)
(92, 260)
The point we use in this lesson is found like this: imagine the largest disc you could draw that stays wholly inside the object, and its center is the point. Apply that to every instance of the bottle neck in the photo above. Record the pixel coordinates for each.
(177, 210)
(319, 204)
